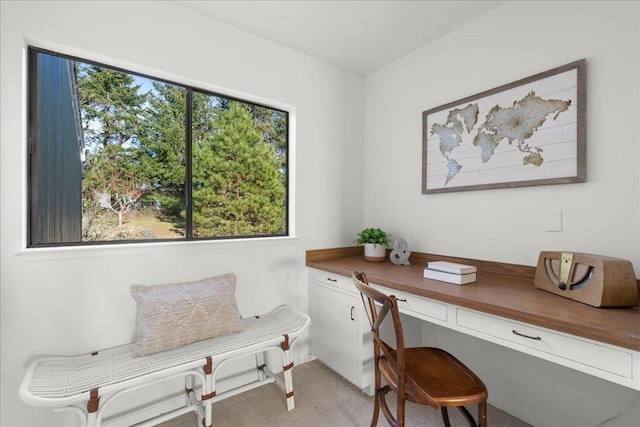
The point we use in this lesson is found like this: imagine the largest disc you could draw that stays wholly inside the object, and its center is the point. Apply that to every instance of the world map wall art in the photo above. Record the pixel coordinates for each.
(529, 132)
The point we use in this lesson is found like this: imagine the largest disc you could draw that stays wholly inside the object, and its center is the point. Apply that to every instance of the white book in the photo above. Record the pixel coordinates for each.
(451, 267)
(458, 279)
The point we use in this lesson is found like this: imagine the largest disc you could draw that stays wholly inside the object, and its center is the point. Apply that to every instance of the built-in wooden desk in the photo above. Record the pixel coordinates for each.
(504, 299)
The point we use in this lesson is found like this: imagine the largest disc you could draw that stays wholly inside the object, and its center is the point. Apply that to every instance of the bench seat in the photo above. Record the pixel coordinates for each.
(86, 383)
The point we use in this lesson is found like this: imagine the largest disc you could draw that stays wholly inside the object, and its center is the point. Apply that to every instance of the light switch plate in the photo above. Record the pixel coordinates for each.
(553, 220)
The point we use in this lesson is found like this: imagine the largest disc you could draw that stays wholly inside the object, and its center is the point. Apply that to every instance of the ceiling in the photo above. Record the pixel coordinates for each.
(361, 36)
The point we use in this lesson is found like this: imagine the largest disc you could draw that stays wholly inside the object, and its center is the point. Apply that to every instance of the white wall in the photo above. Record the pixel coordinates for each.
(515, 41)
(601, 216)
(79, 300)
(75, 301)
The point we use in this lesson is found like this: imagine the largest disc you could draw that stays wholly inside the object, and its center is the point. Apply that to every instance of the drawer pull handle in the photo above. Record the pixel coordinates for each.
(352, 308)
(401, 299)
(526, 336)
(331, 280)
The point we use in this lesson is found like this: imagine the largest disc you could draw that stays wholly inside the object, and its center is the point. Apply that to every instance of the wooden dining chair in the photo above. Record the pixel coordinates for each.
(423, 375)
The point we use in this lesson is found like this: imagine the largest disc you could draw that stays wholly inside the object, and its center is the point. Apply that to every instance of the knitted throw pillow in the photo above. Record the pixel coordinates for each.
(173, 315)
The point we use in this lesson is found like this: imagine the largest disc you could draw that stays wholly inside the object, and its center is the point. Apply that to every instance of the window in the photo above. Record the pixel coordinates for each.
(115, 156)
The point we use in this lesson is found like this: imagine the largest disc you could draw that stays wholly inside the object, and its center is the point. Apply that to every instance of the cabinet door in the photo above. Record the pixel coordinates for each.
(334, 330)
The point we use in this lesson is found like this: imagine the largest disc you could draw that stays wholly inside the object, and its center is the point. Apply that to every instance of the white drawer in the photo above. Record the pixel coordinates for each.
(558, 347)
(336, 281)
(422, 308)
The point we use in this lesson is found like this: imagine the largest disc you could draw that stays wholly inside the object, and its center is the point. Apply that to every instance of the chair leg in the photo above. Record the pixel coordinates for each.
(386, 411)
(376, 409)
(482, 414)
(400, 406)
(468, 416)
(445, 416)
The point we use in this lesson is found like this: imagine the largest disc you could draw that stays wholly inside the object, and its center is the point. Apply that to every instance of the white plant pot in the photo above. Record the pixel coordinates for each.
(374, 252)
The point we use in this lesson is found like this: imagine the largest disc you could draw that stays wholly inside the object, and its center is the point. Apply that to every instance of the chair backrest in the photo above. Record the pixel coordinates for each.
(379, 306)
(450, 375)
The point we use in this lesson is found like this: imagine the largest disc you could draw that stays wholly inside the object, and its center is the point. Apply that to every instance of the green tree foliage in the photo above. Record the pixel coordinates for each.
(238, 188)
(164, 145)
(137, 157)
(111, 105)
(111, 112)
(273, 126)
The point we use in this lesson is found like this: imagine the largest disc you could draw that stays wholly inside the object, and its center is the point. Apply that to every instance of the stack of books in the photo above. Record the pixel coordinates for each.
(450, 272)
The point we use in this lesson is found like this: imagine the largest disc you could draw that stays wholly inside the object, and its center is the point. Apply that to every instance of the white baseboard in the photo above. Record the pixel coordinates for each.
(518, 412)
(306, 358)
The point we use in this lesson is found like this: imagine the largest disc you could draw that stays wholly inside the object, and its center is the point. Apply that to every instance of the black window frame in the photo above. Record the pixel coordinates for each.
(32, 167)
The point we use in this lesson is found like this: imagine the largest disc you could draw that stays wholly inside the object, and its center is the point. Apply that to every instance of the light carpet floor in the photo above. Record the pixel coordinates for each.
(322, 398)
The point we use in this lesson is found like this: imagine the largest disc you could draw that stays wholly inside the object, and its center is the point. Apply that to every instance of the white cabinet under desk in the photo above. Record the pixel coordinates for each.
(339, 333)
(472, 310)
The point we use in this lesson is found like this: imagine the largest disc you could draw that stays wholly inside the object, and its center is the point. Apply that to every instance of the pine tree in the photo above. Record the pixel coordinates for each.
(238, 187)
(164, 145)
(111, 105)
(273, 126)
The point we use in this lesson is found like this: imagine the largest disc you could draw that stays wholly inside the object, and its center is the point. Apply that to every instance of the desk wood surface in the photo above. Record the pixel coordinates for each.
(501, 289)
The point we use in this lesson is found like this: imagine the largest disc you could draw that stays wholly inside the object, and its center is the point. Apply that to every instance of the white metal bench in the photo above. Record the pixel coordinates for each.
(87, 383)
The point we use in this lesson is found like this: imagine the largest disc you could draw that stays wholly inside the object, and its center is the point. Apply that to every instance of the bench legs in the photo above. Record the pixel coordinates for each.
(92, 407)
(287, 369)
(208, 393)
(92, 415)
(265, 376)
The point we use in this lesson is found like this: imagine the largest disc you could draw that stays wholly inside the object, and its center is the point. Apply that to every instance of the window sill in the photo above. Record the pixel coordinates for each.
(66, 252)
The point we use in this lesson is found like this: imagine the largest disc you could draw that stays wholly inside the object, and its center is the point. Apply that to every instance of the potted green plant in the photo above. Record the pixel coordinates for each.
(375, 242)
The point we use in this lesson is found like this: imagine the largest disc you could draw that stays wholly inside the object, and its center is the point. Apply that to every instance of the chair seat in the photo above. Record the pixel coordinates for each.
(444, 378)
(423, 375)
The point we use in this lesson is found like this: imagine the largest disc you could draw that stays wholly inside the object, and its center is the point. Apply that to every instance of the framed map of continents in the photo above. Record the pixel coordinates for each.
(529, 132)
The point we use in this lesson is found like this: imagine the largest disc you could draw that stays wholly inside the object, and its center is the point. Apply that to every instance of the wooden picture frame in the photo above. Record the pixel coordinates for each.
(529, 132)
